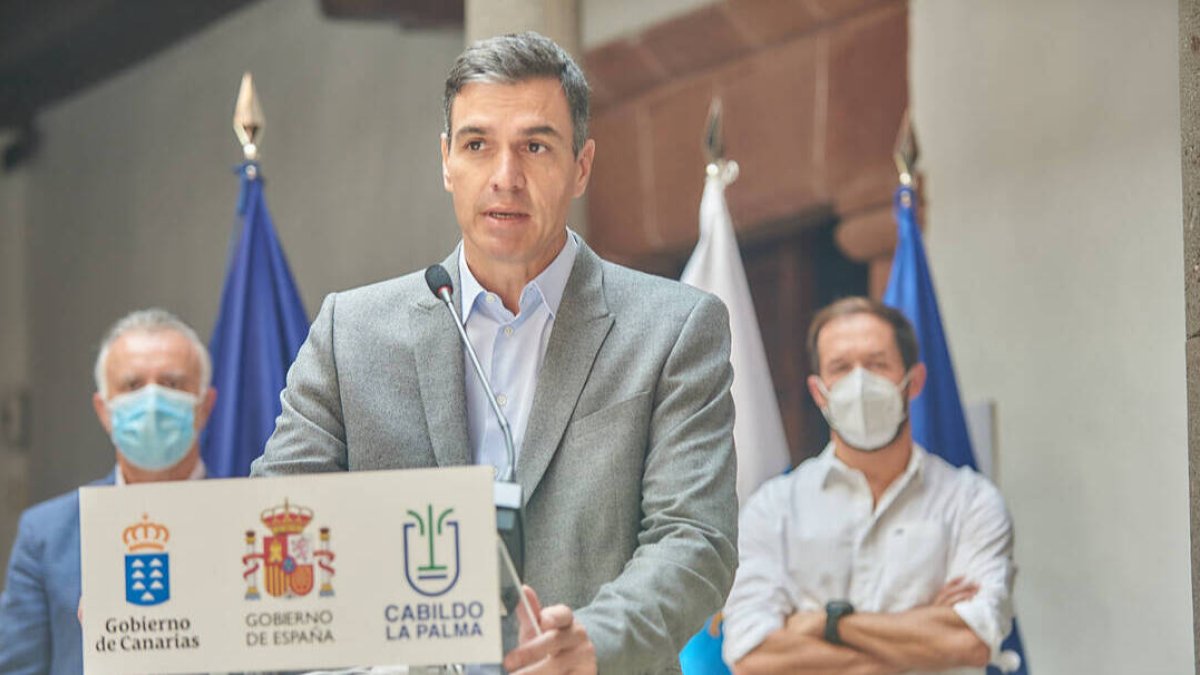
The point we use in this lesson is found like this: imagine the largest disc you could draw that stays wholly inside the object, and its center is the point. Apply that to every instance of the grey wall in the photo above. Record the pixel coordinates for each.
(1189, 111)
(130, 201)
(14, 345)
(1051, 139)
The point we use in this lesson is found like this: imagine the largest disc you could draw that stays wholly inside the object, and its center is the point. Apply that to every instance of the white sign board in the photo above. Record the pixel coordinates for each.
(320, 571)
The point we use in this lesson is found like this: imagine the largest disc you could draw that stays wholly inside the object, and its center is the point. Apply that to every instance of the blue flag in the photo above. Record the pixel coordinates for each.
(938, 423)
(261, 325)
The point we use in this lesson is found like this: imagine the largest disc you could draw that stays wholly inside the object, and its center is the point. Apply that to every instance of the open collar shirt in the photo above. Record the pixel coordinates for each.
(815, 535)
(511, 349)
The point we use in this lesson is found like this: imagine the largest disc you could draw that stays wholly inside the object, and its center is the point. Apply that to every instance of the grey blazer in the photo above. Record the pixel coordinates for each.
(627, 466)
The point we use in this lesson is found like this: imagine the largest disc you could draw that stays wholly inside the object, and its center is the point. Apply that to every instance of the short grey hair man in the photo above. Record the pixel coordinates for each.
(508, 59)
(153, 397)
(151, 321)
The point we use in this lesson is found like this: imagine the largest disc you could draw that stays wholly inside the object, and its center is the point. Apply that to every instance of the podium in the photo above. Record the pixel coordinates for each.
(314, 572)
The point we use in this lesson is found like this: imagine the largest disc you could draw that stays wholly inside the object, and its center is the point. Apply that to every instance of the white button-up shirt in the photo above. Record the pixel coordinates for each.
(814, 535)
(511, 348)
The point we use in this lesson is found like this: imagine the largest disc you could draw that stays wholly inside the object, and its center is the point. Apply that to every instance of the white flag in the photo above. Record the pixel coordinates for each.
(716, 267)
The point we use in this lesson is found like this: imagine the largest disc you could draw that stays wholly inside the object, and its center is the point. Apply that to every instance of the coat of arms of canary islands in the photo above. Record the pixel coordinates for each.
(147, 565)
(288, 561)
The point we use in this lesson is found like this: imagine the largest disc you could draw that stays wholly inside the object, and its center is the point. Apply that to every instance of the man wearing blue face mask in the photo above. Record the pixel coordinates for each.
(875, 556)
(153, 398)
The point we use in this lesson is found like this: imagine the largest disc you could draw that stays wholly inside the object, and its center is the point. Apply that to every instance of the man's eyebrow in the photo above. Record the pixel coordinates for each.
(470, 131)
(542, 130)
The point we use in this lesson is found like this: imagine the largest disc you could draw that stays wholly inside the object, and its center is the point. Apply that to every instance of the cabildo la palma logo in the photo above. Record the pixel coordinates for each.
(432, 558)
(147, 564)
(431, 553)
(290, 564)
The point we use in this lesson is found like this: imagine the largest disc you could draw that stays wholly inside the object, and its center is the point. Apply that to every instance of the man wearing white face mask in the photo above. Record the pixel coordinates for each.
(875, 556)
(153, 399)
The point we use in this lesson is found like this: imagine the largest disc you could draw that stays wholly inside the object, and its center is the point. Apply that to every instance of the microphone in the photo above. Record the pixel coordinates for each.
(439, 282)
(507, 491)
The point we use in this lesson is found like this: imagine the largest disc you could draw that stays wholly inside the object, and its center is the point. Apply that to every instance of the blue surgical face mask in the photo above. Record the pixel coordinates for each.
(153, 427)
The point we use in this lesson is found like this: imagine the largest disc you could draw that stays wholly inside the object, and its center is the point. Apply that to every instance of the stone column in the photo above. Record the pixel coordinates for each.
(556, 19)
(1189, 118)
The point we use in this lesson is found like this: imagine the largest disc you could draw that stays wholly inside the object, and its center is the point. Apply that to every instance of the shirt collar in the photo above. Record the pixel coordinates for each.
(550, 285)
(199, 472)
(832, 467)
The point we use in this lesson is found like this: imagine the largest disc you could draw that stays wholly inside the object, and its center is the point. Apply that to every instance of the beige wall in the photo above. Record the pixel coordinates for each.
(131, 199)
(1051, 141)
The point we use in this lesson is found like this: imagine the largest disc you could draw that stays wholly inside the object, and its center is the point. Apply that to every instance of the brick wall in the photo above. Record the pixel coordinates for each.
(813, 91)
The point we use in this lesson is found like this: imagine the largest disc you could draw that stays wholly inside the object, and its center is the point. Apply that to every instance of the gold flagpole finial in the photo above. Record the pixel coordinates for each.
(714, 136)
(906, 152)
(714, 145)
(248, 120)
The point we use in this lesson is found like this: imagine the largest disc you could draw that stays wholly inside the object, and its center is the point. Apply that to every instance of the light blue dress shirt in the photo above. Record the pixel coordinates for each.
(511, 349)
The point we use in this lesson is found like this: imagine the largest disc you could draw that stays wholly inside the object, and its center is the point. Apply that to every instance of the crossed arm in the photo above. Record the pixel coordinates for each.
(932, 637)
(960, 626)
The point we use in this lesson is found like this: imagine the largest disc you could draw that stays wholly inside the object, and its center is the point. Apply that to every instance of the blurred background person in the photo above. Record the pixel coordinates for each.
(152, 398)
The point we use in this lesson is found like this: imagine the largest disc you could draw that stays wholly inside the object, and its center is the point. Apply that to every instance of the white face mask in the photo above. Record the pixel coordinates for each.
(865, 409)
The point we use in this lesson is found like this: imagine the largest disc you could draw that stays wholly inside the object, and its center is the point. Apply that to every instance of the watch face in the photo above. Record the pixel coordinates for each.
(839, 607)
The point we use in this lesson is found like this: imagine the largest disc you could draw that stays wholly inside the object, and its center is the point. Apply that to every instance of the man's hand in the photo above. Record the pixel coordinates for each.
(956, 590)
(811, 624)
(563, 646)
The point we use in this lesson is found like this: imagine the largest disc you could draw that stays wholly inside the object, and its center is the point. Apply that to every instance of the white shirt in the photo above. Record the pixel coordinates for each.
(812, 536)
(511, 349)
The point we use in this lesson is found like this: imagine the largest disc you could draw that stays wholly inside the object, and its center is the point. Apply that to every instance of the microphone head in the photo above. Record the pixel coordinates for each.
(437, 278)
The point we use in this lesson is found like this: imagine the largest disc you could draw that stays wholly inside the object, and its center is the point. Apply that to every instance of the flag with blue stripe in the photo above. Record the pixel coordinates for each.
(938, 423)
(260, 327)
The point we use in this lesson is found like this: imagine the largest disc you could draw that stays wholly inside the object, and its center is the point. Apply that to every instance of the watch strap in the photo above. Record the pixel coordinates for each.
(835, 610)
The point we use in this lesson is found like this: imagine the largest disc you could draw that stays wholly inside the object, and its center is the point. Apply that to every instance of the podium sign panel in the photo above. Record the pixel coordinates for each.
(294, 573)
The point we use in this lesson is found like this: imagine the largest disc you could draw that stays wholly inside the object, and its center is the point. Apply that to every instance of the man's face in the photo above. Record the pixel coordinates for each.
(856, 340)
(163, 357)
(508, 163)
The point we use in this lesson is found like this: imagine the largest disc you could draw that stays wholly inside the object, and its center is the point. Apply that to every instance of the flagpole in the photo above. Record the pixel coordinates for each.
(716, 267)
(261, 322)
(936, 416)
(714, 144)
(248, 120)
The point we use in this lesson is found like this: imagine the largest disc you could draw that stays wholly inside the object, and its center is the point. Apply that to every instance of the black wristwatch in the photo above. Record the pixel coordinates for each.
(834, 611)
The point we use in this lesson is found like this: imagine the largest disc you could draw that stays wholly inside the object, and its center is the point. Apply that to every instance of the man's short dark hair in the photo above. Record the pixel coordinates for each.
(906, 338)
(517, 57)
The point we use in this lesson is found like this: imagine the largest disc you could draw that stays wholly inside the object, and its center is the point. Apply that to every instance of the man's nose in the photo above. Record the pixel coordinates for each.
(508, 173)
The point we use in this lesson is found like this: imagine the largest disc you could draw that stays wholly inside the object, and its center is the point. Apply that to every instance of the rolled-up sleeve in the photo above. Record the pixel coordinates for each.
(985, 557)
(758, 604)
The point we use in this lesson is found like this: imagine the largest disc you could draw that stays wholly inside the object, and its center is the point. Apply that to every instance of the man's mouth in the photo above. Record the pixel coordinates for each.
(505, 215)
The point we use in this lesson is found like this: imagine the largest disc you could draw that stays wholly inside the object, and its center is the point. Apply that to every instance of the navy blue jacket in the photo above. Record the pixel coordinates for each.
(39, 627)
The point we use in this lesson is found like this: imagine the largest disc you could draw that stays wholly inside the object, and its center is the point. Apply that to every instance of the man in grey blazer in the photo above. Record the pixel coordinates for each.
(616, 383)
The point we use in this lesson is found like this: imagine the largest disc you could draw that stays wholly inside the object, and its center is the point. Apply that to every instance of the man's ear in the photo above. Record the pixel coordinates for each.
(446, 182)
(917, 377)
(101, 409)
(815, 391)
(204, 410)
(583, 163)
